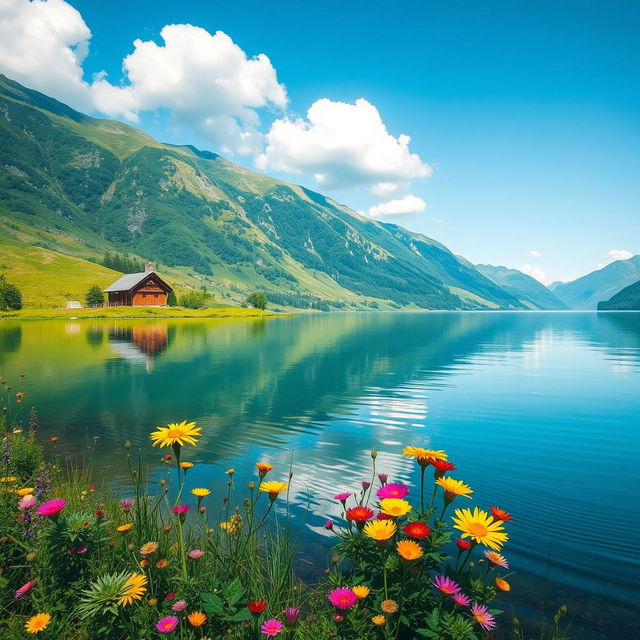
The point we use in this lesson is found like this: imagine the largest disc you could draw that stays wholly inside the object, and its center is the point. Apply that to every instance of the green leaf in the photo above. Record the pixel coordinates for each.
(212, 604)
(243, 614)
(234, 591)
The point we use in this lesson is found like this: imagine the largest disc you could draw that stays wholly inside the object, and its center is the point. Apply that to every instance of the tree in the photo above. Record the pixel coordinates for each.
(172, 301)
(258, 300)
(194, 300)
(94, 297)
(10, 296)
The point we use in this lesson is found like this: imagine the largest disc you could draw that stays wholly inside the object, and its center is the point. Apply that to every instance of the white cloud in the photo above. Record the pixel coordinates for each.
(401, 206)
(43, 45)
(535, 254)
(536, 272)
(346, 145)
(206, 82)
(617, 254)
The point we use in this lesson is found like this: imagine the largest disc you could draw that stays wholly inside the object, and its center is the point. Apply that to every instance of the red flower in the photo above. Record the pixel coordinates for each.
(442, 465)
(337, 617)
(500, 514)
(383, 516)
(463, 545)
(417, 530)
(256, 606)
(359, 514)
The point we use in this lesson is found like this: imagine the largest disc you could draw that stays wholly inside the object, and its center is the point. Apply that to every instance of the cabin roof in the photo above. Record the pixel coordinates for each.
(131, 280)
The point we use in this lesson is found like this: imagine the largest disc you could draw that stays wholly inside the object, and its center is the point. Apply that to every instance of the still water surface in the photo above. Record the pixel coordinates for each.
(539, 411)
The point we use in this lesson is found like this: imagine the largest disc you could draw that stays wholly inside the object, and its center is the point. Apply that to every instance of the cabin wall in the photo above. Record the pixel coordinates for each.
(150, 299)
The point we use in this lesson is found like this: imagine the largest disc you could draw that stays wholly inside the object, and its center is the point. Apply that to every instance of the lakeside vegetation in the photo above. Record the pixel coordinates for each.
(81, 559)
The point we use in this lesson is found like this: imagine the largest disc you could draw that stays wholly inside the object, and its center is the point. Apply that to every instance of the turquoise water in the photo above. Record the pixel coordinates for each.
(539, 411)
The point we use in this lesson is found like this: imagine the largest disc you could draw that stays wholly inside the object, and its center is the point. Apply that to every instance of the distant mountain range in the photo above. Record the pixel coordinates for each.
(626, 300)
(586, 292)
(75, 185)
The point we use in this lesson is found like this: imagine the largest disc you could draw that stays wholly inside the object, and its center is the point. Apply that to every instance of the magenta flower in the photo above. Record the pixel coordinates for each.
(446, 585)
(271, 628)
(482, 616)
(126, 504)
(167, 624)
(196, 554)
(365, 485)
(24, 589)
(27, 503)
(342, 598)
(328, 525)
(51, 508)
(180, 509)
(291, 614)
(383, 477)
(392, 491)
(461, 599)
(343, 497)
(179, 605)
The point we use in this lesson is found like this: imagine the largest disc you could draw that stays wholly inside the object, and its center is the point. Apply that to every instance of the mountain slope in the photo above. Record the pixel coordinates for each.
(84, 185)
(527, 289)
(586, 292)
(626, 300)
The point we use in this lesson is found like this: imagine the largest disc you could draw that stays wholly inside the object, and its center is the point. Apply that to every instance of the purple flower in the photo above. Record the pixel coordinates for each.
(383, 477)
(461, 599)
(291, 614)
(365, 485)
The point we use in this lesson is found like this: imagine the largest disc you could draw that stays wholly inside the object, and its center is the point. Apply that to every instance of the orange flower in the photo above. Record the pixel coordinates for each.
(161, 564)
(409, 549)
(197, 619)
(123, 528)
(502, 584)
(263, 468)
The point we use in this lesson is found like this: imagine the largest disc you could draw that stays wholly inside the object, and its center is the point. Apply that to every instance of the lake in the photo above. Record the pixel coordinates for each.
(539, 412)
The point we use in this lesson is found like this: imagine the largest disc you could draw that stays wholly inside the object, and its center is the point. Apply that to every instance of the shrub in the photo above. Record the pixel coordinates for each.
(194, 300)
(94, 297)
(258, 300)
(172, 301)
(10, 296)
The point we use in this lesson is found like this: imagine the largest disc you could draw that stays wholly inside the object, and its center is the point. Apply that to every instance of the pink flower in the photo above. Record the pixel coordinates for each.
(446, 585)
(126, 504)
(365, 485)
(342, 598)
(328, 525)
(179, 605)
(343, 497)
(291, 614)
(392, 491)
(167, 624)
(271, 628)
(170, 596)
(181, 509)
(482, 616)
(51, 508)
(24, 589)
(27, 502)
(461, 599)
(383, 477)
(196, 554)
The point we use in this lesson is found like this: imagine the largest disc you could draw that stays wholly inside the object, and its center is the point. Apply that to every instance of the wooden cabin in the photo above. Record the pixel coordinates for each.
(146, 289)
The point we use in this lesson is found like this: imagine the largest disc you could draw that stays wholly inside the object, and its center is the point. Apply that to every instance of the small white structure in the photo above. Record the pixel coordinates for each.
(73, 304)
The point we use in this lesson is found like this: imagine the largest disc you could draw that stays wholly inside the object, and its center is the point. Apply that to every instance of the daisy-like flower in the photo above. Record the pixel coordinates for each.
(482, 616)
(441, 466)
(37, 623)
(256, 606)
(271, 628)
(179, 605)
(161, 564)
(389, 606)
(342, 497)
(197, 618)
(28, 502)
(25, 491)
(263, 469)
(343, 598)
(133, 589)
(378, 620)
(359, 515)
(502, 584)
(180, 509)
(495, 558)
(395, 507)
(200, 492)
(461, 600)
(394, 490)
(380, 530)
(453, 488)
(148, 548)
(446, 585)
(273, 488)
(196, 554)
(417, 530)
(24, 589)
(167, 624)
(361, 591)
(176, 434)
(51, 508)
(480, 527)
(291, 614)
(424, 456)
(186, 465)
(500, 514)
(123, 528)
(409, 549)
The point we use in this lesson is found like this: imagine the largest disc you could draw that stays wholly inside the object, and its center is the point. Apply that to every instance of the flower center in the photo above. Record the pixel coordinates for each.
(175, 433)
(478, 530)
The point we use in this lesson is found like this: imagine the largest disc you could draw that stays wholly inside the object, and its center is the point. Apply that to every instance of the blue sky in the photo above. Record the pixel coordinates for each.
(526, 113)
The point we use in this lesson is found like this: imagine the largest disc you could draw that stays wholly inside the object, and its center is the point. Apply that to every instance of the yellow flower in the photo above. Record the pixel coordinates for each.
(380, 529)
(25, 492)
(361, 591)
(502, 584)
(124, 527)
(423, 455)
(148, 548)
(453, 488)
(263, 468)
(409, 549)
(152, 602)
(389, 606)
(378, 620)
(200, 493)
(37, 623)
(186, 465)
(480, 527)
(395, 507)
(176, 434)
(230, 471)
(9, 480)
(196, 619)
(133, 589)
(273, 488)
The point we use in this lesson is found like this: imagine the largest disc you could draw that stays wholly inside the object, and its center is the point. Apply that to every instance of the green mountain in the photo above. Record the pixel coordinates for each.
(626, 300)
(588, 291)
(81, 186)
(528, 290)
